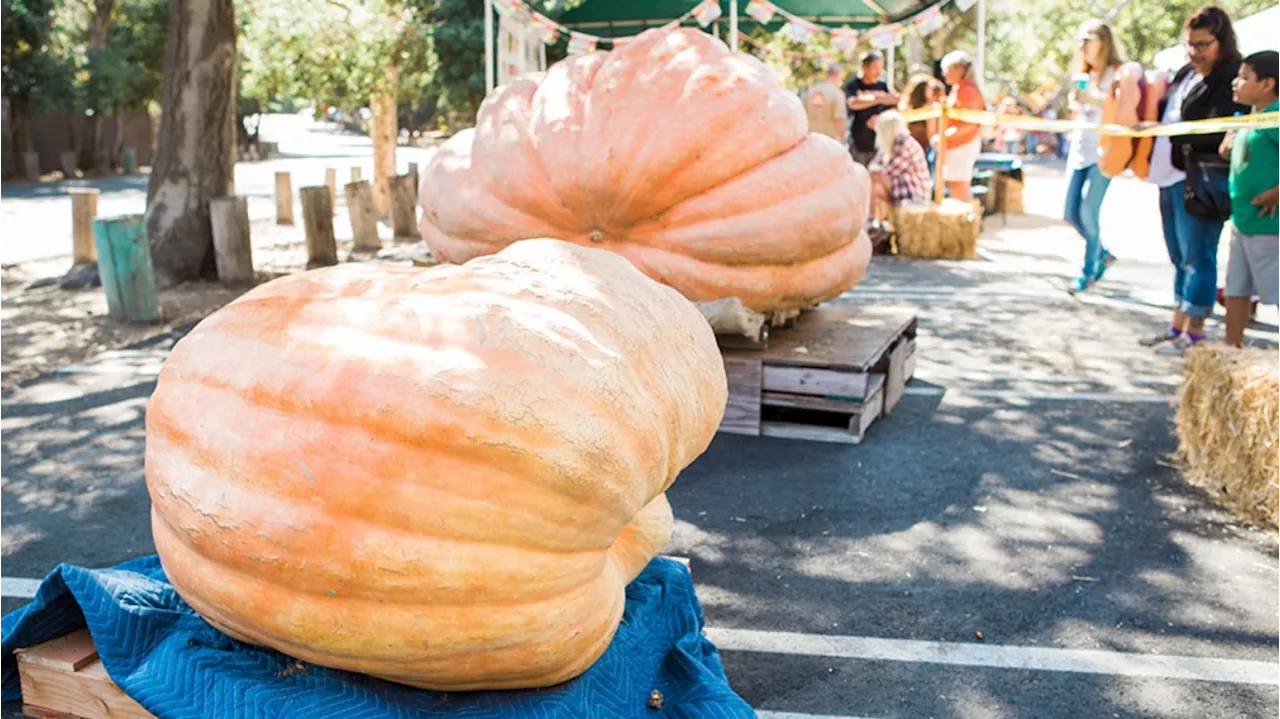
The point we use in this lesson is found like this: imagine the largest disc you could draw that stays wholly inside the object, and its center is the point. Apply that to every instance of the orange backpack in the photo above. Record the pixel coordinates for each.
(1122, 107)
(1153, 90)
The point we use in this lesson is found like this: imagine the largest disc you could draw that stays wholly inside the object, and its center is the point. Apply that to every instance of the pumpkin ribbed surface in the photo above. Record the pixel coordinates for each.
(443, 477)
(691, 161)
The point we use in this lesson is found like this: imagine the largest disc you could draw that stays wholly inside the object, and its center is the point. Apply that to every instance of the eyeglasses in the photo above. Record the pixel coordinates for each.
(1199, 46)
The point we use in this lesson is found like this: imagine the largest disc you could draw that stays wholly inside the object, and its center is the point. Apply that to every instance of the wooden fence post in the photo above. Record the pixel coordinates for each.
(284, 199)
(404, 206)
(331, 180)
(124, 264)
(317, 219)
(364, 217)
(31, 165)
(68, 161)
(232, 250)
(84, 209)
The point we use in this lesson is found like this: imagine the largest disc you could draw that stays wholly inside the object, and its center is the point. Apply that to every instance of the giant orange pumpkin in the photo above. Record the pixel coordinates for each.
(441, 477)
(691, 161)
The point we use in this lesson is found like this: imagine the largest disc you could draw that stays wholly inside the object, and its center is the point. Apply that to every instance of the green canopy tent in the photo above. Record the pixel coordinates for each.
(614, 18)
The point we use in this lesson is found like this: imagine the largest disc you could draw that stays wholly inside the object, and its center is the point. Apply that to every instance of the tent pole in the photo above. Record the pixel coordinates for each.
(980, 65)
(733, 25)
(488, 46)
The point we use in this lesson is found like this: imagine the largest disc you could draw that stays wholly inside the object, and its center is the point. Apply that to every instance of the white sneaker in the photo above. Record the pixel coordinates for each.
(1177, 347)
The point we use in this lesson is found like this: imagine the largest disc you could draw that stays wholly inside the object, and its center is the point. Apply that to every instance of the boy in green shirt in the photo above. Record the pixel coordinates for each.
(1254, 268)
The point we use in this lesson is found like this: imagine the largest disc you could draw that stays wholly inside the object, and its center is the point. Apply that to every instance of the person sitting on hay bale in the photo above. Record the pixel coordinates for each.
(899, 173)
(1253, 267)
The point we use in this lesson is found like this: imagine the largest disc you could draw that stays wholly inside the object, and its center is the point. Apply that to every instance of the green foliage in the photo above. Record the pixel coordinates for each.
(32, 74)
(456, 85)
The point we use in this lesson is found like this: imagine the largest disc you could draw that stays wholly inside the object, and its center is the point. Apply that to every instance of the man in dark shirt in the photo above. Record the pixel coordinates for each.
(868, 96)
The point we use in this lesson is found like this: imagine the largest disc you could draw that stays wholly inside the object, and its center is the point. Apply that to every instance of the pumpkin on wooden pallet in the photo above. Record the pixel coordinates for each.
(443, 477)
(691, 161)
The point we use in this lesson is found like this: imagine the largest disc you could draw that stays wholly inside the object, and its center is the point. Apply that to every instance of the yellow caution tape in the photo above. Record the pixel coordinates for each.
(1210, 126)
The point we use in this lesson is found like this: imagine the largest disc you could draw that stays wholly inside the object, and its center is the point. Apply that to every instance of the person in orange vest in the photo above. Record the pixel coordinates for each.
(961, 139)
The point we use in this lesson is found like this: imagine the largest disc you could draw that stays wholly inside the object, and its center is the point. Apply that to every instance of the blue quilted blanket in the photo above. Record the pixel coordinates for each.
(161, 653)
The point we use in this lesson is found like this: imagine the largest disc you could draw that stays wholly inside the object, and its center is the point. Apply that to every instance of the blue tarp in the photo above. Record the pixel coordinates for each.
(164, 656)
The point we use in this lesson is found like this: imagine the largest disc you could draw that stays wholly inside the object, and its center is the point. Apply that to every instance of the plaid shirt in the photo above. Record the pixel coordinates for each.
(908, 171)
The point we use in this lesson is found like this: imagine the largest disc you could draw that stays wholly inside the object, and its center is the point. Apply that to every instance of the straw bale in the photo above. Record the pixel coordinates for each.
(946, 231)
(1228, 425)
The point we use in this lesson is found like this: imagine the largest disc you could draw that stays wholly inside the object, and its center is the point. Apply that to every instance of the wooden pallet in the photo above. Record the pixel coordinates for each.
(828, 377)
(64, 679)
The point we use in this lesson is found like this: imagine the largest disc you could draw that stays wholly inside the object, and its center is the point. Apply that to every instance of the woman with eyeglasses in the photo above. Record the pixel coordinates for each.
(1099, 58)
(1194, 196)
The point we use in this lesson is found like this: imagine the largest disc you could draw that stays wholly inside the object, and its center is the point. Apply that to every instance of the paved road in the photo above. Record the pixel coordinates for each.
(37, 217)
(1020, 490)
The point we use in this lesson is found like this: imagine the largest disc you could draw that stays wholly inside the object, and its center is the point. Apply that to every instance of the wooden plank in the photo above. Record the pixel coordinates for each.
(85, 694)
(284, 199)
(901, 354)
(812, 433)
(841, 337)
(875, 381)
(317, 220)
(742, 414)
(872, 408)
(364, 216)
(124, 264)
(813, 381)
(84, 209)
(68, 652)
(232, 249)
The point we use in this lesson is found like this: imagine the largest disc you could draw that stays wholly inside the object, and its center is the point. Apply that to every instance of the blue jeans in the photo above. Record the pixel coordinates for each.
(1193, 248)
(1084, 203)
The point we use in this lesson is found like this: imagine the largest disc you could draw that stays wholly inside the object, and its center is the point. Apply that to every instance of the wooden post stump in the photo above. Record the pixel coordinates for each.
(31, 165)
(331, 180)
(413, 173)
(129, 160)
(404, 207)
(364, 217)
(355, 174)
(68, 161)
(84, 210)
(233, 253)
(317, 218)
(284, 199)
(124, 264)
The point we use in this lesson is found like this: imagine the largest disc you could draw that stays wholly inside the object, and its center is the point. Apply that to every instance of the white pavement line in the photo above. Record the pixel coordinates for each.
(1043, 396)
(1085, 661)
(18, 587)
(767, 714)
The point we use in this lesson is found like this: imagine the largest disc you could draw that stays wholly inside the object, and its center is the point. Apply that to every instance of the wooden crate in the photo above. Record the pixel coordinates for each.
(828, 377)
(64, 679)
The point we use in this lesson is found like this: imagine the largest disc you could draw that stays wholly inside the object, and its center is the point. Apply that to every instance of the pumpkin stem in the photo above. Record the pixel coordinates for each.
(596, 236)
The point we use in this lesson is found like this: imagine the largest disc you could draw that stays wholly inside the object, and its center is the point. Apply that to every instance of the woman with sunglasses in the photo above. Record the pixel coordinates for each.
(1192, 177)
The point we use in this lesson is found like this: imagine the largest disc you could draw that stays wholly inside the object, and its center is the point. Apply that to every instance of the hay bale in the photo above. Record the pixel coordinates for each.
(946, 231)
(1011, 193)
(1229, 428)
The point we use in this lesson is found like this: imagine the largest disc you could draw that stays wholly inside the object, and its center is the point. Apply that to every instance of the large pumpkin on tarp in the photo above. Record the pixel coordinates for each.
(442, 477)
(689, 160)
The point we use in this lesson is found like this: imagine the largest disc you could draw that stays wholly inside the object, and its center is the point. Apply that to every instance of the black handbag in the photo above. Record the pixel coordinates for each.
(1201, 195)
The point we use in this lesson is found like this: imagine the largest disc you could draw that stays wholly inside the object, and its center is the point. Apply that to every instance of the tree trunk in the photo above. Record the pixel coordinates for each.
(101, 141)
(195, 154)
(8, 166)
(384, 127)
